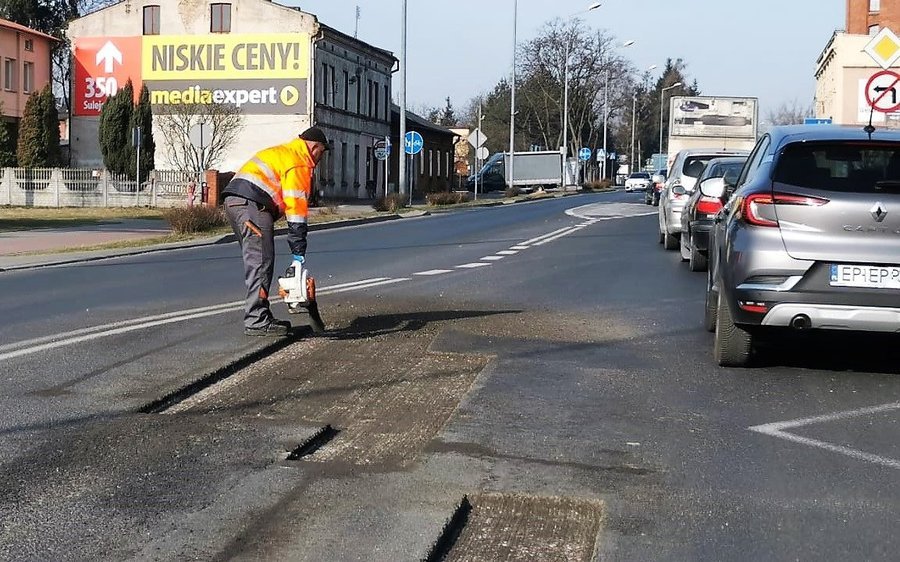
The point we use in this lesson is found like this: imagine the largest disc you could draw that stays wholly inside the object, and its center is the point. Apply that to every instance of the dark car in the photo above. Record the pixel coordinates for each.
(657, 181)
(808, 239)
(702, 206)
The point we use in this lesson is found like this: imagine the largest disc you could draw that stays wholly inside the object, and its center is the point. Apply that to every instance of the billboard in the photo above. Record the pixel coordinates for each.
(258, 73)
(718, 117)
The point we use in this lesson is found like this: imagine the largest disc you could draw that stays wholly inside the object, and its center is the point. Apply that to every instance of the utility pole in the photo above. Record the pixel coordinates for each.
(356, 29)
(401, 153)
(633, 123)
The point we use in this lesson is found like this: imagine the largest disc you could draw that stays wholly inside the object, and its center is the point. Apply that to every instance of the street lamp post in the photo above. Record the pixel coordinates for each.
(606, 112)
(590, 8)
(401, 153)
(512, 104)
(661, 92)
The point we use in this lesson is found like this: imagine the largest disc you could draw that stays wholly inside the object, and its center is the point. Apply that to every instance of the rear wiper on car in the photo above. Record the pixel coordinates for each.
(888, 184)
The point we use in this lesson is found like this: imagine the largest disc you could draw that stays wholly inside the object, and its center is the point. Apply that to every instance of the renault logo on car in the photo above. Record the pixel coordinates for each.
(878, 212)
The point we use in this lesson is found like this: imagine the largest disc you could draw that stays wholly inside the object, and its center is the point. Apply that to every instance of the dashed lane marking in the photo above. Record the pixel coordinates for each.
(777, 429)
(519, 247)
(492, 258)
(433, 272)
(472, 265)
(507, 252)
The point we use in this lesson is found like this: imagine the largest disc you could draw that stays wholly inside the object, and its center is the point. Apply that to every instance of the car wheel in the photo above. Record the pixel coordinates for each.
(712, 303)
(733, 344)
(670, 242)
(697, 261)
(661, 236)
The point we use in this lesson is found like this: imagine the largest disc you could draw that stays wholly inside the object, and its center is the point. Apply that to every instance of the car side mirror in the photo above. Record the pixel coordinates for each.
(713, 187)
(678, 189)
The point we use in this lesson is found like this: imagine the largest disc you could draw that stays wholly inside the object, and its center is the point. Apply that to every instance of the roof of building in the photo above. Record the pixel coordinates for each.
(421, 121)
(350, 38)
(19, 27)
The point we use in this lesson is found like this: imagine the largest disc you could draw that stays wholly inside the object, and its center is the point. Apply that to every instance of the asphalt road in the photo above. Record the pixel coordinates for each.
(550, 367)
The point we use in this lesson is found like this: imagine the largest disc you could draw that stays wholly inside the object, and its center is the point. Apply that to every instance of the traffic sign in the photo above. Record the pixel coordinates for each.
(817, 121)
(382, 149)
(477, 138)
(884, 48)
(601, 154)
(612, 155)
(482, 153)
(584, 154)
(200, 134)
(882, 91)
(414, 142)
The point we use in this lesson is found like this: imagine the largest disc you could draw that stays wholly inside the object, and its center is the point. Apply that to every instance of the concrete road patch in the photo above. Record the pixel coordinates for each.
(508, 528)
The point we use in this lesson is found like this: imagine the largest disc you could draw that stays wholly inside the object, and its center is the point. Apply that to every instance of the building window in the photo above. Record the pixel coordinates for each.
(151, 20)
(874, 5)
(220, 18)
(377, 105)
(333, 83)
(387, 104)
(28, 77)
(358, 95)
(9, 74)
(369, 98)
(874, 29)
(29, 45)
(345, 160)
(346, 90)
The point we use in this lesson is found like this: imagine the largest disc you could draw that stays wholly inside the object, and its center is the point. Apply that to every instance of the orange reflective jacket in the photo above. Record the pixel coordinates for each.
(284, 173)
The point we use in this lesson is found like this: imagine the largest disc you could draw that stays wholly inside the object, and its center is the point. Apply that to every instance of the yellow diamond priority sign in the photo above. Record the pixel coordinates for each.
(884, 48)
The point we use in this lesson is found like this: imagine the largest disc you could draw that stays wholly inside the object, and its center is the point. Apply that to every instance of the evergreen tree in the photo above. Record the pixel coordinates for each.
(38, 145)
(50, 127)
(143, 118)
(115, 131)
(448, 116)
(7, 149)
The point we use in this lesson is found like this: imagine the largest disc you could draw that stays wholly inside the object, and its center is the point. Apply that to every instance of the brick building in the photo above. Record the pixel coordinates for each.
(25, 66)
(867, 17)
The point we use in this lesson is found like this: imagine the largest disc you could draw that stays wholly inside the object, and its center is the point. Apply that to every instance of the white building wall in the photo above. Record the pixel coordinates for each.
(192, 17)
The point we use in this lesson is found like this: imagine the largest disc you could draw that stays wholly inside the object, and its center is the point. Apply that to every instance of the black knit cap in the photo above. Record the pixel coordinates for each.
(315, 134)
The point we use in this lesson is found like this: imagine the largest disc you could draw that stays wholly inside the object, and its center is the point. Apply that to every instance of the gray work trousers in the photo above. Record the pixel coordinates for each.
(255, 230)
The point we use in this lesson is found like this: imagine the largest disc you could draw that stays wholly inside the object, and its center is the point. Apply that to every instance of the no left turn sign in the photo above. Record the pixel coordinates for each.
(883, 91)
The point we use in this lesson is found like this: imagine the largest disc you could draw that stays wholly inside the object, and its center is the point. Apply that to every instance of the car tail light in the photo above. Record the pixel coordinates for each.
(757, 307)
(754, 206)
(708, 205)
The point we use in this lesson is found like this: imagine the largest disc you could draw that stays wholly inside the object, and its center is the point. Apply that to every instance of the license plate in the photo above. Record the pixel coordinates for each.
(874, 277)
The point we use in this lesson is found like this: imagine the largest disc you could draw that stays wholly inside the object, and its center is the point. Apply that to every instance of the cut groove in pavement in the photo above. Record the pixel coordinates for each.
(516, 527)
(318, 440)
(173, 398)
(453, 528)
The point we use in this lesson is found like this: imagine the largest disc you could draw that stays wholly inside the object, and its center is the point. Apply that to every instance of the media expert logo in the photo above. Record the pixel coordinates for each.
(255, 72)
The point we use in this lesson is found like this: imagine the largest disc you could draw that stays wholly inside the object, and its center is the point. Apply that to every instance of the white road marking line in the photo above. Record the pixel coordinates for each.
(208, 392)
(472, 265)
(368, 286)
(355, 283)
(507, 252)
(37, 345)
(434, 272)
(568, 231)
(543, 236)
(776, 429)
(518, 247)
(492, 258)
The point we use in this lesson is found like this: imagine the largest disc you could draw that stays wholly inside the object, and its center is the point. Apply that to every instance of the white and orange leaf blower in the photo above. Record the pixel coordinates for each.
(298, 289)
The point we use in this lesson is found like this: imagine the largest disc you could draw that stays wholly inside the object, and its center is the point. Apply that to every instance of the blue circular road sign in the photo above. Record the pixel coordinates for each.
(414, 142)
(584, 154)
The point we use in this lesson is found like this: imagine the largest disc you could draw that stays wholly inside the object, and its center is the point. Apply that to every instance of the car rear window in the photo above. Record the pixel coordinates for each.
(640, 175)
(729, 169)
(853, 167)
(694, 165)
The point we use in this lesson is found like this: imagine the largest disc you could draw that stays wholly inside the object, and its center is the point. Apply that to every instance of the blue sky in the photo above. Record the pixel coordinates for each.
(459, 48)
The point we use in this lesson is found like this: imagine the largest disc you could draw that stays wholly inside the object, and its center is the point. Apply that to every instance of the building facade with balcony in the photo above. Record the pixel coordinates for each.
(25, 67)
(278, 68)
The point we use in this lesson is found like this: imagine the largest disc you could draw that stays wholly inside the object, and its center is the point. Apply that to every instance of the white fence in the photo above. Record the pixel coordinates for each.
(76, 187)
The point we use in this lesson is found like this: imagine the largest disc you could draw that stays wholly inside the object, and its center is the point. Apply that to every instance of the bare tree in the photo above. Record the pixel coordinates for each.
(789, 113)
(177, 123)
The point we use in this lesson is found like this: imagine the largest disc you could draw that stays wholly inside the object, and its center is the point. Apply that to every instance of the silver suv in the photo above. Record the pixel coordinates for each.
(808, 238)
(686, 168)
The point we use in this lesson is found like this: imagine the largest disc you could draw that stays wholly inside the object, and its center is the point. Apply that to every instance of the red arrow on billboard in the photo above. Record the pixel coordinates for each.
(108, 55)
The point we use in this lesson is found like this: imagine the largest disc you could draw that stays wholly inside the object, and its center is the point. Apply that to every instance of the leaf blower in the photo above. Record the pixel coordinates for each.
(298, 289)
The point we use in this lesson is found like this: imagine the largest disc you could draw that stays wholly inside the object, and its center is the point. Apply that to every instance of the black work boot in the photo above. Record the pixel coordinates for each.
(274, 328)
